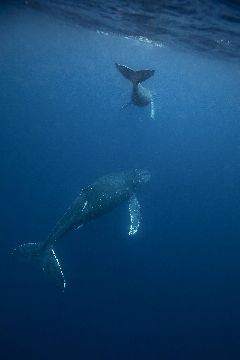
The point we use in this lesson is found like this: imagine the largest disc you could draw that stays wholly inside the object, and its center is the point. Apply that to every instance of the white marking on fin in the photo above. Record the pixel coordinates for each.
(60, 269)
(135, 215)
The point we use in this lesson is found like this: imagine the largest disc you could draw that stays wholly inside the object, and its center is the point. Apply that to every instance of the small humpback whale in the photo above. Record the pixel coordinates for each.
(140, 95)
(93, 201)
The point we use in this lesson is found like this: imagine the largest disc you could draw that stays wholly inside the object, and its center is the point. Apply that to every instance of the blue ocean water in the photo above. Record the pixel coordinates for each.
(173, 290)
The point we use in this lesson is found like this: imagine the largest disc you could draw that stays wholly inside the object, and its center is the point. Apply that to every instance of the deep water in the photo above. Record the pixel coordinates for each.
(173, 290)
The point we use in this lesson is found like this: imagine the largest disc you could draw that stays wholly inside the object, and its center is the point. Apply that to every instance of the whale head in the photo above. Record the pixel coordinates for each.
(140, 176)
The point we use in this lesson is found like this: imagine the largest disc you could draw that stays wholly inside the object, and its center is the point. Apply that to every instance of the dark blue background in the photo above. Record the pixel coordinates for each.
(173, 290)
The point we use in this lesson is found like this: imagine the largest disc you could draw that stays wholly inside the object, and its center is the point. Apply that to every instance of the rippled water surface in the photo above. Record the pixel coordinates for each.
(212, 26)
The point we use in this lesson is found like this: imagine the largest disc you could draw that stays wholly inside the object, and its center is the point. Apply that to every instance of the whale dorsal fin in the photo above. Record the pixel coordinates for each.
(135, 77)
(135, 214)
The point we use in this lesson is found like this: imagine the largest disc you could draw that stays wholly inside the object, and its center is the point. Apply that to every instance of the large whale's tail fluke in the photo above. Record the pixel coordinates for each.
(135, 77)
(46, 258)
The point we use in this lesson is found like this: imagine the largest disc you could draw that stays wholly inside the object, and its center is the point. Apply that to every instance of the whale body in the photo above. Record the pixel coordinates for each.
(92, 202)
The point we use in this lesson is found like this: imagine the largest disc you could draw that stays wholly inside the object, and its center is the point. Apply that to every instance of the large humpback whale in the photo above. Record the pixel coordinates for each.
(140, 95)
(93, 201)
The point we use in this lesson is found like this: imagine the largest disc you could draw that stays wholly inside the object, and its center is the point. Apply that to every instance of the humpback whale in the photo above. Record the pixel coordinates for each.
(140, 95)
(93, 201)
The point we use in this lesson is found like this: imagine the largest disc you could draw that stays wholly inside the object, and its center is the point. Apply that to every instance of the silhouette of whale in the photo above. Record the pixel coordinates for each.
(93, 201)
(140, 95)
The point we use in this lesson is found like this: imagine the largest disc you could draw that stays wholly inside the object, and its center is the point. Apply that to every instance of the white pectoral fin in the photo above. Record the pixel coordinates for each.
(135, 215)
(152, 109)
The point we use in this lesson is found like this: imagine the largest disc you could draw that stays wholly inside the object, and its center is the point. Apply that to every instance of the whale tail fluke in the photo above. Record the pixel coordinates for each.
(135, 77)
(46, 258)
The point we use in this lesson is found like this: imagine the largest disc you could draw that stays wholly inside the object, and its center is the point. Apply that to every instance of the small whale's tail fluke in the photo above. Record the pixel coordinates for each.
(135, 77)
(46, 258)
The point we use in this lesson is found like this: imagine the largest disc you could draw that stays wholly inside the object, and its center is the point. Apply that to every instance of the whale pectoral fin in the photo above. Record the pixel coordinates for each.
(152, 109)
(135, 214)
